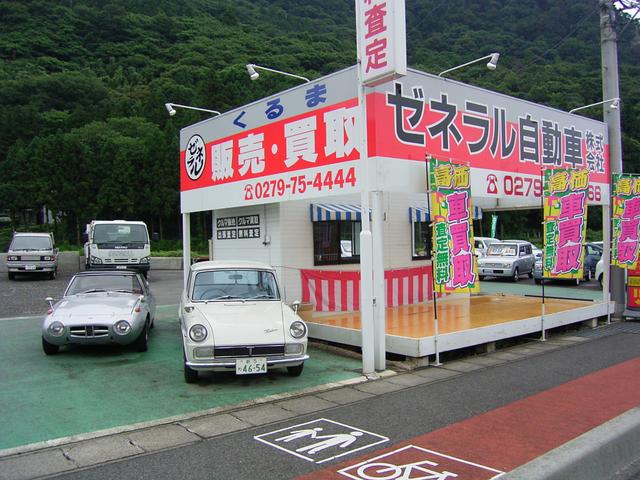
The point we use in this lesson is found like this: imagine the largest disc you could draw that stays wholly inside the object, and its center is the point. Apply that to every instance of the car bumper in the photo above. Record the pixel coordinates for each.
(230, 363)
(139, 267)
(495, 272)
(27, 267)
(108, 339)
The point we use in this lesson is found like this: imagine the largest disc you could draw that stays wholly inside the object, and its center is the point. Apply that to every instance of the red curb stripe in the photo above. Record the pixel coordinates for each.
(515, 434)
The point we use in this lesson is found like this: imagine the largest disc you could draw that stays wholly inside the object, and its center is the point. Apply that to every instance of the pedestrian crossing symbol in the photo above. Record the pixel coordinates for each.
(321, 440)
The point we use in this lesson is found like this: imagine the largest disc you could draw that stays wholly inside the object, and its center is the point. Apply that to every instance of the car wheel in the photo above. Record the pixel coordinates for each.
(295, 371)
(481, 277)
(11, 275)
(531, 274)
(516, 275)
(142, 342)
(49, 348)
(52, 275)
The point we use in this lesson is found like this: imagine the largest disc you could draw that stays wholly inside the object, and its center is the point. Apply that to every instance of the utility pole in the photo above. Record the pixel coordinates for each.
(609, 53)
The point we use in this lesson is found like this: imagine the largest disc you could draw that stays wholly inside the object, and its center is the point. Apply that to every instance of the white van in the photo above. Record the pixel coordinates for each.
(32, 253)
(117, 245)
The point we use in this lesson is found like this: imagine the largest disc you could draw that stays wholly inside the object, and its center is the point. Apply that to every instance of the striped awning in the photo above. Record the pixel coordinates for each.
(321, 212)
(421, 214)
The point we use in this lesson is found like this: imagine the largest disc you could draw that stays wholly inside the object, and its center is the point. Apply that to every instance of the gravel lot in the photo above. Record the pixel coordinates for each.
(25, 295)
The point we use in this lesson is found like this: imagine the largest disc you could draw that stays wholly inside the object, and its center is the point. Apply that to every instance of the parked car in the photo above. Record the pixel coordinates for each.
(481, 244)
(233, 318)
(592, 254)
(507, 259)
(101, 308)
(599, 270)
(32, 253)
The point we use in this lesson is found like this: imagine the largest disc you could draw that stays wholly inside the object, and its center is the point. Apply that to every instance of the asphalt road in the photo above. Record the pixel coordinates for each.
(400, 416)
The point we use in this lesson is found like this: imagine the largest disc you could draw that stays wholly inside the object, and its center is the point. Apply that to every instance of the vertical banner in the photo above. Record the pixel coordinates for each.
(625, 220)
(454, 259)
(565, 222)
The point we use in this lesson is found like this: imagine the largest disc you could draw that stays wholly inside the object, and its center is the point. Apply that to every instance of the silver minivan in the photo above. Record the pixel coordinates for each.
(32, 253)
(507, 259)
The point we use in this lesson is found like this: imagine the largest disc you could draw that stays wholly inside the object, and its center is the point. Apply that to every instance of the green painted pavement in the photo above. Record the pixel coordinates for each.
(86, 389)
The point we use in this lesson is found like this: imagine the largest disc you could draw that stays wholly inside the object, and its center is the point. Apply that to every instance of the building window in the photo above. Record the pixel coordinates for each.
(336, 242)
(421, 241)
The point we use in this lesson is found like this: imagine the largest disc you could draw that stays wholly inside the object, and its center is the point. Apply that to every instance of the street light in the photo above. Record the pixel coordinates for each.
(172, 111)
(251, 68)
(491, 65)
(615, 104)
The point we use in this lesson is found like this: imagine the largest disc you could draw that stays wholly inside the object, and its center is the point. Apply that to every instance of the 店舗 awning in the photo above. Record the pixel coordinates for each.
(321, 212)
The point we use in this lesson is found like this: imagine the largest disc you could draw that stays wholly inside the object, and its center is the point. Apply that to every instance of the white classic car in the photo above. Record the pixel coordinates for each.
(232, 317)
(101, 308)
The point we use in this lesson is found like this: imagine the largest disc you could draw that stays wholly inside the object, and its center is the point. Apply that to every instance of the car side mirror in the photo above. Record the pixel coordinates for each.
(296, 306)
(50, 301)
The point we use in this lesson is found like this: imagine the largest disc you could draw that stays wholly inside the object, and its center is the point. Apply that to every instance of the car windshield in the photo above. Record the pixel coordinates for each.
(104, 283)
(502, 250)
(234, 284)
(24, 242)
(120, 233)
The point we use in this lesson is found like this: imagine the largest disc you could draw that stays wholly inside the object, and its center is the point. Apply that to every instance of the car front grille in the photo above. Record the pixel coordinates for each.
(248, 351)
(89, 331)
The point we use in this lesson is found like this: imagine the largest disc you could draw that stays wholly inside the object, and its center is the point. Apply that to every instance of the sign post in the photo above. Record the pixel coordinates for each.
(381, 46)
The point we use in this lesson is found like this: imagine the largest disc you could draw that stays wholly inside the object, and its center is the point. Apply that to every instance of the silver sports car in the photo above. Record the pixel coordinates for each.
(108, 307)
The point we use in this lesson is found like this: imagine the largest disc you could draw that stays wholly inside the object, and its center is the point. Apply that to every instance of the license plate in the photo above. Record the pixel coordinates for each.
(29, 267)
(247, 366)
(120, 267)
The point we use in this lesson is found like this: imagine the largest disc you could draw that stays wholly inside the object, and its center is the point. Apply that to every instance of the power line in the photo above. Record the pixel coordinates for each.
(562, 40)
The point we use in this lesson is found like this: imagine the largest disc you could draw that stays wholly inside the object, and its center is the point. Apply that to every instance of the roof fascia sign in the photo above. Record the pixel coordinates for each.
(303, 143)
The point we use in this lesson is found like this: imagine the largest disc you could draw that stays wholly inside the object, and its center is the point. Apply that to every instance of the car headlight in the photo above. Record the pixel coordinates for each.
(96, 260)
(122, 327)
(144, 260)
(198, 333)
(56, 329)
(298, 329)
(12, 258)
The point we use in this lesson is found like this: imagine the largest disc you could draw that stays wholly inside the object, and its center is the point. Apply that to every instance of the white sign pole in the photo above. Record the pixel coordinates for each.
(186, 247)
(366, 244)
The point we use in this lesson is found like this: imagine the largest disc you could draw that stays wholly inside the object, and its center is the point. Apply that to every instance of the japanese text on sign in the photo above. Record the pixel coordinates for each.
(625, 220)
(381, 40)
(565, 221)
(455, 268)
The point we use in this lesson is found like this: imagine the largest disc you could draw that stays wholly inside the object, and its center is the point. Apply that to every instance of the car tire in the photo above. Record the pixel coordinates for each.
(295, 371)
(11, 275)
(52, 275)
(49, 348)
(531, 274)
(480, 277)
(516, 275)
(142, 342)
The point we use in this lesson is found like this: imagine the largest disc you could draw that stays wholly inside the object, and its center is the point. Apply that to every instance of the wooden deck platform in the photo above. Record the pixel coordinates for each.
(462, 321)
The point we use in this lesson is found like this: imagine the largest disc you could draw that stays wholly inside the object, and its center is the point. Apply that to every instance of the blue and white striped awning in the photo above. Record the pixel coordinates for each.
(321, 212)
(421, 214)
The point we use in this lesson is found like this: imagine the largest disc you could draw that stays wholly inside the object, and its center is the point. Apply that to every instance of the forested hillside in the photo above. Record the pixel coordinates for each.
(83, 83)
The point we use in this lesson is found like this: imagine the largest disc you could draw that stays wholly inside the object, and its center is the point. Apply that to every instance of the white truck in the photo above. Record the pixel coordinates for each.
(117, 245)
